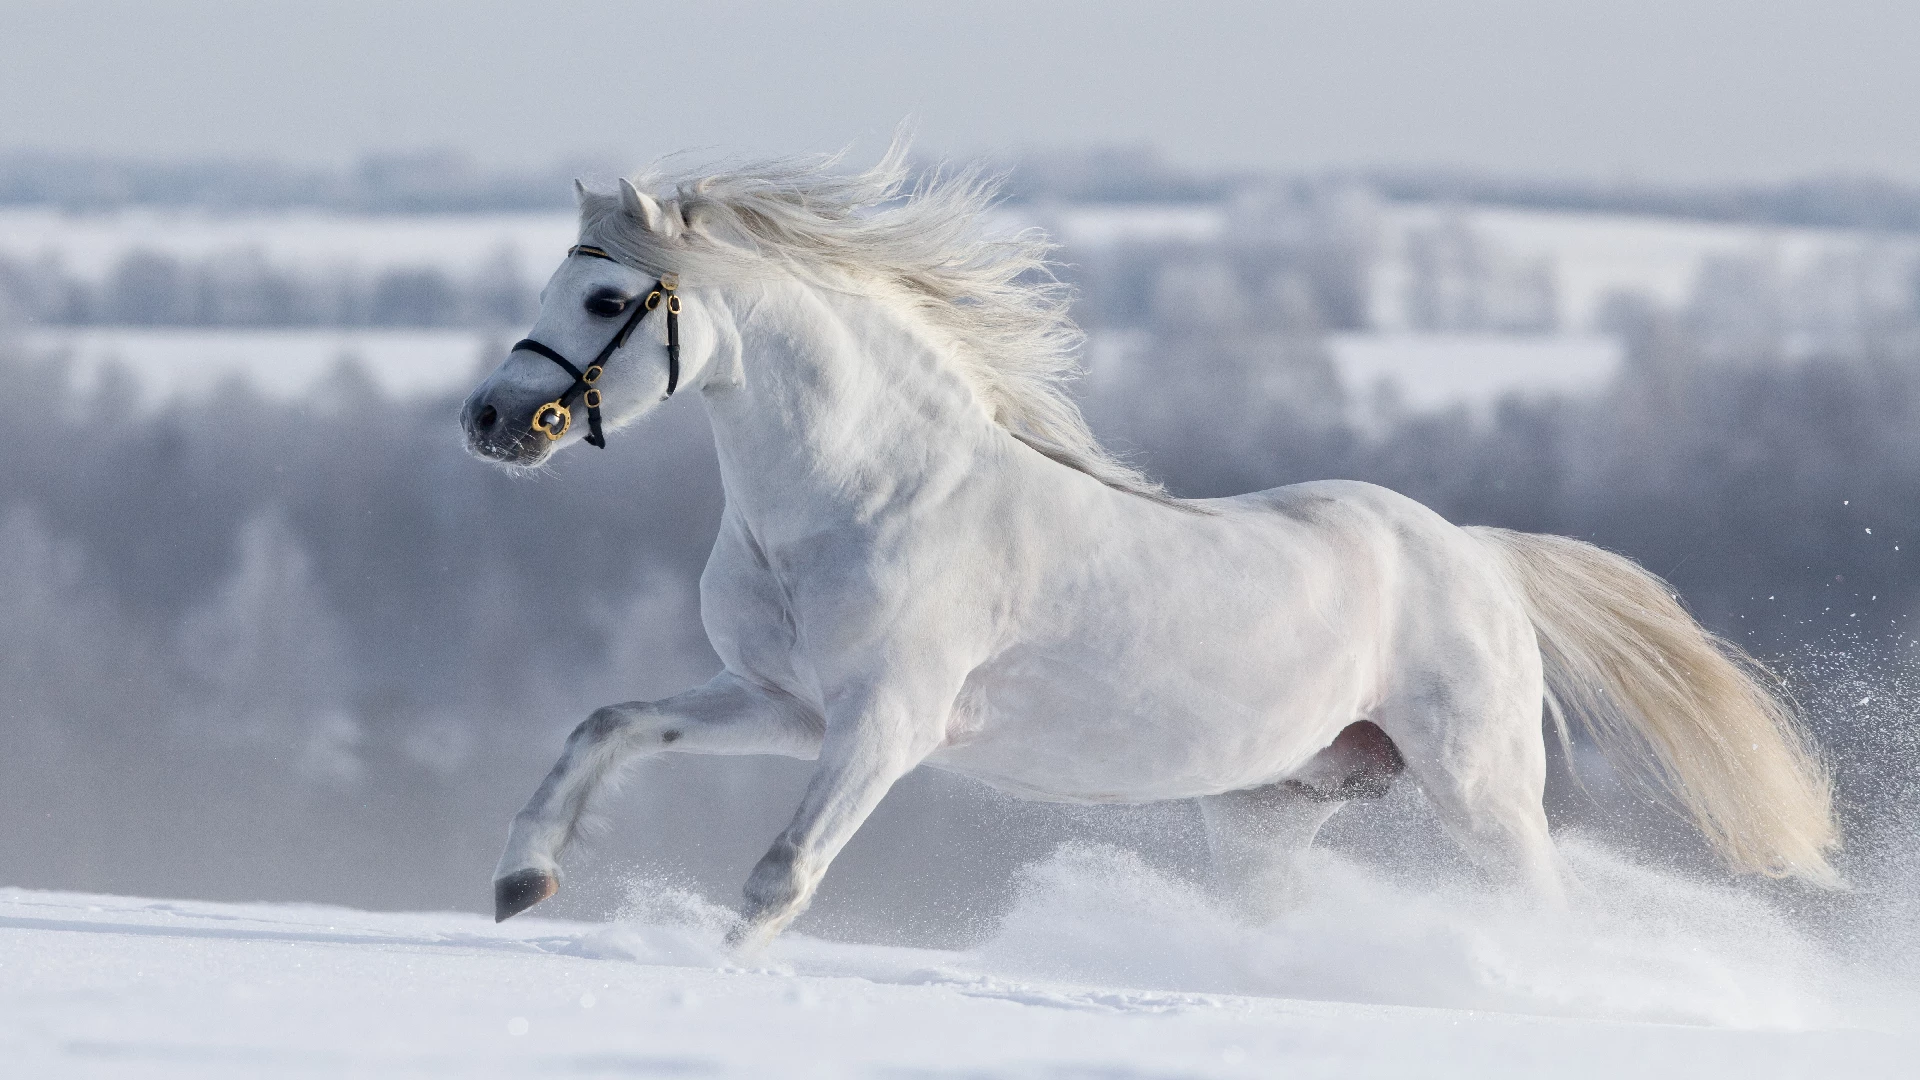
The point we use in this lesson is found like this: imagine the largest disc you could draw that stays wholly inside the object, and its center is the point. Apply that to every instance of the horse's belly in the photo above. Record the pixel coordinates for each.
(1072, 728)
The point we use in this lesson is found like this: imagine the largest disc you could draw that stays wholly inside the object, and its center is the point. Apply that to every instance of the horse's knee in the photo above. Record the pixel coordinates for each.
(604, 723)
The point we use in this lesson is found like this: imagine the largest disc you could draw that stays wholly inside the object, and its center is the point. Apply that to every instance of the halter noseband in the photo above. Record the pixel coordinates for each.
(554, 418)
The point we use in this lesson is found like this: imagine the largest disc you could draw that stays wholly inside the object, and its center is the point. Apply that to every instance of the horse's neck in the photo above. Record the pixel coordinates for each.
(844, 408)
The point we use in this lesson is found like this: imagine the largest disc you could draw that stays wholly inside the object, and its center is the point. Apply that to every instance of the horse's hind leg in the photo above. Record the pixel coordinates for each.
(1256, 839)
(1503, 827)
(1258, 836)
(726, 716)
(1476, 749)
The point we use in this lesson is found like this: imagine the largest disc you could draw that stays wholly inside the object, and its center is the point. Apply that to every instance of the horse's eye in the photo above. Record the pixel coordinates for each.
(606, 304)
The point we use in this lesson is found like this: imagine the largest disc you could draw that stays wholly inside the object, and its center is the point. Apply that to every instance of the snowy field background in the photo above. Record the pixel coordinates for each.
(279, 659)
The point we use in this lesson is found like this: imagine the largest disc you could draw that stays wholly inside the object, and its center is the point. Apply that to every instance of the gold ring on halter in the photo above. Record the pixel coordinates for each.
(673, 305)
(653, 299)
(591, 375)
(591, 398)
(552, 420)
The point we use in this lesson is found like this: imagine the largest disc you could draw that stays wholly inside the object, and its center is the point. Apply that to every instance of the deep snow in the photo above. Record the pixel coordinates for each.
(1104, 968)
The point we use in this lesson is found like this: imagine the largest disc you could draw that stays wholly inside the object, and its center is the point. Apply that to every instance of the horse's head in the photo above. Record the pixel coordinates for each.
(613, 339)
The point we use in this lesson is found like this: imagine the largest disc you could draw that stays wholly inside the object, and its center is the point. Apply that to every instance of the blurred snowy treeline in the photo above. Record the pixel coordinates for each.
(1806, 269)
(429, 181)
(1316, 257)
(148, 287)
(444, 181)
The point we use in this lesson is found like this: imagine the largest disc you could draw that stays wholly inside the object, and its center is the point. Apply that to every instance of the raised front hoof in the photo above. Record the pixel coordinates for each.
(521, 890)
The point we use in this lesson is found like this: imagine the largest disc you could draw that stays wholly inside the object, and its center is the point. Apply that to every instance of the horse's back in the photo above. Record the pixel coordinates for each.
(1350, 507)
(1444, 588)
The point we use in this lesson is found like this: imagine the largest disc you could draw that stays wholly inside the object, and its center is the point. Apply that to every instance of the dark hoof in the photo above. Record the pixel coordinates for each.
(519, 891)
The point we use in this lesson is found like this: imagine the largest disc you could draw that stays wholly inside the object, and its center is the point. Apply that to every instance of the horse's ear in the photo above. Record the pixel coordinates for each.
(579, 192)
(640, 207)
(671, 221)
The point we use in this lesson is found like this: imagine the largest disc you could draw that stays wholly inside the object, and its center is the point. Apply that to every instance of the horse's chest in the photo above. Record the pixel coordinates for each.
(810, 612)
(748, 614)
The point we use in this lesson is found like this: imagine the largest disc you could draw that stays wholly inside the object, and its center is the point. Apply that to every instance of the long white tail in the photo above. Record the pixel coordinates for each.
(1664, 697)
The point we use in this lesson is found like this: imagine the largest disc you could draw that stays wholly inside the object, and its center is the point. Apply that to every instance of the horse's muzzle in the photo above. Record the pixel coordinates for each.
(493, 432)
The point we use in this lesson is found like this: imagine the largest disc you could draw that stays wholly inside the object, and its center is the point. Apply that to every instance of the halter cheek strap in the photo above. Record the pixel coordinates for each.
(554, 418)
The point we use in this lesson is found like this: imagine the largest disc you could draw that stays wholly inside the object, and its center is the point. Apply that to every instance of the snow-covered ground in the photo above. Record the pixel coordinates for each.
(1421, 372)
(1103, 969)
(1585, 257)
(1438, 371)
(169, 363)
(1590, 256)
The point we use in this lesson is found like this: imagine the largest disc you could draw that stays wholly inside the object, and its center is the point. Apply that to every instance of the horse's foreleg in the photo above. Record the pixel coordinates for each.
(726, 716)
(865, 751)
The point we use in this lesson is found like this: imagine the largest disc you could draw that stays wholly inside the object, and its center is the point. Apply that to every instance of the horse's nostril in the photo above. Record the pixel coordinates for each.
(486, 419)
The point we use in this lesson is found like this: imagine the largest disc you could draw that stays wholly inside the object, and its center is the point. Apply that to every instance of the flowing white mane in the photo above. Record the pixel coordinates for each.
(995, 298)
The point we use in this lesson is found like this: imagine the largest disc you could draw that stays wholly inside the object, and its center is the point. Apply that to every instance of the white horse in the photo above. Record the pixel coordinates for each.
(925, 558)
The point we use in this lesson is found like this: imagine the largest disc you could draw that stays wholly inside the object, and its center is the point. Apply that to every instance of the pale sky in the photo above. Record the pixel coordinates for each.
(1677, 90)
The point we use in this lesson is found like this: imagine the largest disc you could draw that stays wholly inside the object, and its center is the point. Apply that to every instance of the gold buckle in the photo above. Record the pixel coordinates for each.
(552, 420)
(653, 299)
(591, 375)
(673, 305)
(591, 397)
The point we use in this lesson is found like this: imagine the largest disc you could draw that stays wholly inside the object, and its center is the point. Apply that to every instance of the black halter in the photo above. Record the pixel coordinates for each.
(554, 418)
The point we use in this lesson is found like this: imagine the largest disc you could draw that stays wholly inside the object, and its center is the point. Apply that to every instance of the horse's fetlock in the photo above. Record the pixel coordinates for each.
(766, 893)
(776, 882)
